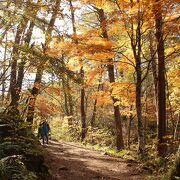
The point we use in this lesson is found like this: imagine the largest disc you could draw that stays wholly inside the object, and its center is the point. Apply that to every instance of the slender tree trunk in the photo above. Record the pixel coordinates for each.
(34, 93)
(110, 66)
(161, 146)
(71, 107)
(41, 66)
(17, 85)
(136, 47)
(70, 100)
(20, 76)
(93, 119)
(176, 127)
(129, 128)
(154, 71)
(4, 73)
(141, 142)
(117, 116)
(65, 96)
(141, 137)
(170, 106)
(13, 88)
(82, 92)
(83, 113)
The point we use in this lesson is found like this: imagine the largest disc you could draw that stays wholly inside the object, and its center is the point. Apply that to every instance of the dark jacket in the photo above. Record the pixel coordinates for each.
(43, 129)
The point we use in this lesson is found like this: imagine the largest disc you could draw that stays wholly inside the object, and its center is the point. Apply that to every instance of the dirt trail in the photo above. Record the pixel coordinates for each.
(69, 161)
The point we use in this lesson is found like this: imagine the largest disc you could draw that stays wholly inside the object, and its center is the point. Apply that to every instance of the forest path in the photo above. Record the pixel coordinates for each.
(69, 161)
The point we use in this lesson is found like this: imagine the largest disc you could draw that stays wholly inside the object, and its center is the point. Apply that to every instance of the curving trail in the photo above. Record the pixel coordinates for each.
(69, 161)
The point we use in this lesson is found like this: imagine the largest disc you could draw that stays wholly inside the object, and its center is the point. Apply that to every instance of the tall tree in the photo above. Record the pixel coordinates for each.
(133, 25)
(15, 56)
(33, 8)
(110, 67)
(82, 91)
(41, 66)
(161, 83)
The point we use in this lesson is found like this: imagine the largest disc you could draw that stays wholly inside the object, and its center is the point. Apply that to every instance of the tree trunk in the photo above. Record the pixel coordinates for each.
(65, 96)
(69, 97)
(170, 106)
(161, 146)
(129, 128)
(17, 85)
(136, 47)
(71, 107)
(110, 66)
(83, 114)
(141, 142)
(13, 82)
(176, 127)
(154, 70)
(93, 119)
(20, 76)
(41, 66)
(82, 91)
(34, 93)
(4, 73)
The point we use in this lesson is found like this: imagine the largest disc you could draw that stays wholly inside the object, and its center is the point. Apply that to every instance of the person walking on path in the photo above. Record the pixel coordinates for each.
(43, 131)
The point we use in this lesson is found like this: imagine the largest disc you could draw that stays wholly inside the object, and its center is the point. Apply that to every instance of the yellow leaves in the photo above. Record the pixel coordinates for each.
(121, 67)
(169, 50)
(117, 103)
(100, 56)
(98, 41)
(115, 29)
(92, 76)
(173, 76)
(108, 6)
(124, 92)
(103, 98)
(74, 63)
(44, 8)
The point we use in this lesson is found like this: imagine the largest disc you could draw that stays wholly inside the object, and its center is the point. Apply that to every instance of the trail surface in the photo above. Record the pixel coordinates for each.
(69, 161)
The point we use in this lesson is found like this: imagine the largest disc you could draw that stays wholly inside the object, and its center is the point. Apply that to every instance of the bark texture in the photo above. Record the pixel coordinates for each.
(110, 66)
(161, 146)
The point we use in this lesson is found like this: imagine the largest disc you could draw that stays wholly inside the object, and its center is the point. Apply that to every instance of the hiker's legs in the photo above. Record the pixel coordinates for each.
(46, 137)
(43, 136)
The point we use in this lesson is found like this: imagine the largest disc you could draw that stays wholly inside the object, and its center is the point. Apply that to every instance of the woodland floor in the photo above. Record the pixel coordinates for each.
(69, 161)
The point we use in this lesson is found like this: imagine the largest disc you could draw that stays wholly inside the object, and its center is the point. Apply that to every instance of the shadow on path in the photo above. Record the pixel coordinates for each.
(68, 161)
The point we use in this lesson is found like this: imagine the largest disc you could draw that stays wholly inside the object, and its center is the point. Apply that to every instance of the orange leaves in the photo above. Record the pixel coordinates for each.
(90, 46)
(93, 75)
(100, 56)
(46, 107)
(124, 92)
(99, 42)
(103, 98)
(53, 90)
